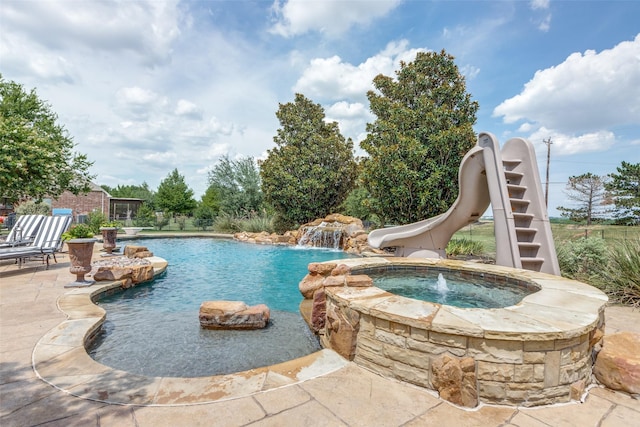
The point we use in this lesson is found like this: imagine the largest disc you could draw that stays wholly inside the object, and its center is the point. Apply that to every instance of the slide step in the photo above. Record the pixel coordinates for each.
(529, 245)
(520, 215)
(526, 260)
(516, 176)
(518, 188)
(511, 161)
(526, 230)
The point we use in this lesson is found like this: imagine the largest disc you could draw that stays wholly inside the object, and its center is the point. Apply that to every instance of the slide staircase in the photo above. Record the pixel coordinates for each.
(506, 179)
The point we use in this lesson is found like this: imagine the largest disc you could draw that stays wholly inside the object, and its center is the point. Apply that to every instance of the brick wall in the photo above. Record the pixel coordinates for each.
(84, 203)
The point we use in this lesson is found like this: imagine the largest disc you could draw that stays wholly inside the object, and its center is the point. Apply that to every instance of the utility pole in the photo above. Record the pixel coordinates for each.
(546, 185)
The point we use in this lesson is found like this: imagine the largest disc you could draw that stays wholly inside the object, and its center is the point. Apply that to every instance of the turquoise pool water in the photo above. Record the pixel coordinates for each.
(153, 329)
(447, 287)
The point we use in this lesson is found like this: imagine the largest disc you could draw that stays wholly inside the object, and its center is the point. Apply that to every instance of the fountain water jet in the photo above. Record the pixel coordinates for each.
(441, 287)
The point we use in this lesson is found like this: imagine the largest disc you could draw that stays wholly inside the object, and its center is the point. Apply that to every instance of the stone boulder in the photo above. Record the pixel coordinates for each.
(341, 329)
(233, 315)
(132, 251)
(334, 230)
(618, 364)
(133, 270)
(455, 379)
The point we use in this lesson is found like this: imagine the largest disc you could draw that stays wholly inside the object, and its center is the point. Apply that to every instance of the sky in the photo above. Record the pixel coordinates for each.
(148, 86)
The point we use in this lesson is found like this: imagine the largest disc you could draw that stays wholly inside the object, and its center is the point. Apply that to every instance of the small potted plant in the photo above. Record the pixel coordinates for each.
(109, 232)
(80, 241)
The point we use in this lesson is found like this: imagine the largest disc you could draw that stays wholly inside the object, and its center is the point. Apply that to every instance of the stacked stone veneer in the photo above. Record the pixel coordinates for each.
(530, 354)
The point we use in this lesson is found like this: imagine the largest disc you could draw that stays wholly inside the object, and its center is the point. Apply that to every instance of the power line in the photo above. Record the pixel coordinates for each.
(546, 191)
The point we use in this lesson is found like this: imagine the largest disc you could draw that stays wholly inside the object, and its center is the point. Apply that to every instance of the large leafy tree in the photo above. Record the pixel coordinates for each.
(174, 196)
(587, 192)
(311, 170)
(236, 185)
(36, 152)
(422, 130)
(624, 188)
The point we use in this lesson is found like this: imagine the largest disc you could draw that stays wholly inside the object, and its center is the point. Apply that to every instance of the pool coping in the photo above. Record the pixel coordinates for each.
(60, 359)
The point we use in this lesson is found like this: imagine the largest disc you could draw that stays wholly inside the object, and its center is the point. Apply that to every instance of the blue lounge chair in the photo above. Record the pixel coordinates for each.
(24, 231)
(47, 242)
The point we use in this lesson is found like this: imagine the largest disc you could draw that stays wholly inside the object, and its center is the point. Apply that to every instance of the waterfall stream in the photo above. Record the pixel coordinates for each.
(324, 235)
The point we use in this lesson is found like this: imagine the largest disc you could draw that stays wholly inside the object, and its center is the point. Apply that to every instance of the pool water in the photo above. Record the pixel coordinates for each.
(153, 329)
(449, 289)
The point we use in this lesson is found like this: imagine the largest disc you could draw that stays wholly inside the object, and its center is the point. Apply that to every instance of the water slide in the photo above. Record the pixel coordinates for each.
(506, 179)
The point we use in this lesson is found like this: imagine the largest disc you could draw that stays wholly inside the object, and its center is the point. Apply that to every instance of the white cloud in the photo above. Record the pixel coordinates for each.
(539, 4)
(351, 118)
(544, 22)
(344, 86)
(188, 109)
(138, 103)
(145, 27)
(586, 95)
(333, 79)
(565, 145)
(331, 17)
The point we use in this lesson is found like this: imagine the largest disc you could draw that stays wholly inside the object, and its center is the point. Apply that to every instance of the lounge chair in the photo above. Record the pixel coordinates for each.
(23, 231)
(47, 242)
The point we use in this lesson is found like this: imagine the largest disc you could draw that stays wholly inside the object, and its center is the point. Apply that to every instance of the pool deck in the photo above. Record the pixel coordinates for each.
(346, 395)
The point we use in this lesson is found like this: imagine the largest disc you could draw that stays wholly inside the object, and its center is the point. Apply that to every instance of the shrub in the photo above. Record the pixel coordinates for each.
(32, 208)
(622, 273)
(257, 223)
(182, 222)
(204, 216)
(282, 224)
(78, 231)
(226, 224)
(95, 220)
(463, 246)
(583, 259)
(161, 222)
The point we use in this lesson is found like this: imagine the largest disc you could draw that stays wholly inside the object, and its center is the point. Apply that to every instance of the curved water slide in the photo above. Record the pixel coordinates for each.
(429, 238)
(506, 179)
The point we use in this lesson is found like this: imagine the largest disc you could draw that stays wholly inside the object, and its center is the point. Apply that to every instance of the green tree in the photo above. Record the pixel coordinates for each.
(142, 192)
(145, 217)
(311, 170)
(203, 216)
(422, 130)
(237, 186)
(36, 152)
(174, 196)
(624, 188)
(211, 199)
(588, 193)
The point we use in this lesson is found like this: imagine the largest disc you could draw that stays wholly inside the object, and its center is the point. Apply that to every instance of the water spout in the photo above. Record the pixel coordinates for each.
(441, 287)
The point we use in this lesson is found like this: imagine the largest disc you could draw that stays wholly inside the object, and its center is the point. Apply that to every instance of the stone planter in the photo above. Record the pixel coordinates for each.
(109, 239)
(132, 231)
(80, 253)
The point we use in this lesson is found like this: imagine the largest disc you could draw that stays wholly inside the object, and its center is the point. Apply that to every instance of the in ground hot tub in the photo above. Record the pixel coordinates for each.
(535, 352)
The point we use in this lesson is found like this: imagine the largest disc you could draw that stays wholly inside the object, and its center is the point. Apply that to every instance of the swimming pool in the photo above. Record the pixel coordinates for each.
(153, 329)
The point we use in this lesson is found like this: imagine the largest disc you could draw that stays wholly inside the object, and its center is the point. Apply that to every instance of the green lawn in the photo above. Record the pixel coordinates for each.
(483, 231)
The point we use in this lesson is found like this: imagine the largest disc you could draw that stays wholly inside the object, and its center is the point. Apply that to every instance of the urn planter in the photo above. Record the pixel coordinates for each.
(80, 253)
(109, 235)
(132, 231)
